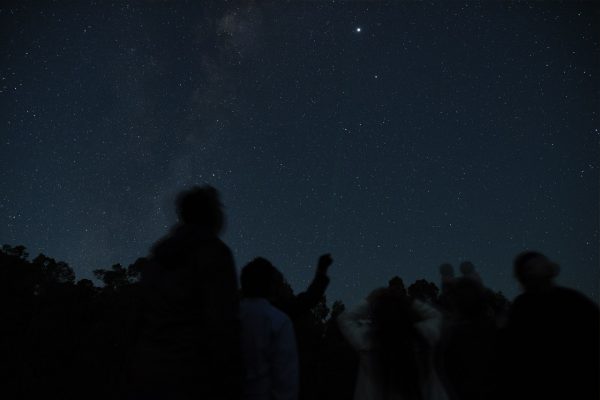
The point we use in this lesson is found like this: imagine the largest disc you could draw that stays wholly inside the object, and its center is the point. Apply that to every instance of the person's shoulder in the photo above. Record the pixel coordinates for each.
(219, 245)
(213, 247)
(279, 318)
(206, 240)
(520, 299)
(529, 307)
(567, 292)
(573, 296)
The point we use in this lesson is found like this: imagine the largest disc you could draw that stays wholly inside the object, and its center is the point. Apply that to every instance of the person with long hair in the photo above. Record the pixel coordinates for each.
(394, 337)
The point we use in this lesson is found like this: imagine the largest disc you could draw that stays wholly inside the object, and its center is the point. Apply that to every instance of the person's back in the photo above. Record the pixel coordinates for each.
(467, 351)
(554, 337)
(269, 348)
(551, 337)
(268, 339)
(188, 344)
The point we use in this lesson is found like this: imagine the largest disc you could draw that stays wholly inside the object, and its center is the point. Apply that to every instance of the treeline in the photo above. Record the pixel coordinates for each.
(70, 338)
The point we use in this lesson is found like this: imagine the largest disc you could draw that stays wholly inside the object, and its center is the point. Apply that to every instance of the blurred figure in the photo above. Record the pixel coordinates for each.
(467, 269)
(467, 356)
(447, 279)
(394, 337)
(552, 336)
(269, 343)
(396, 283)
(189, 343)
(299, 308)
(447, 276)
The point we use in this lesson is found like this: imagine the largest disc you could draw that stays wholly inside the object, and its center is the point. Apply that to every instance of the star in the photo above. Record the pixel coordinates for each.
(358, 29)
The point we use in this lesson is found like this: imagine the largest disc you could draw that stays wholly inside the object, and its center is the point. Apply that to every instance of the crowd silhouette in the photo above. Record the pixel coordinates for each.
(177, 325)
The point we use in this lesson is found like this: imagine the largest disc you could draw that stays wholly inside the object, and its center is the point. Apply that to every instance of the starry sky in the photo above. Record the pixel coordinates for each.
(396, 136)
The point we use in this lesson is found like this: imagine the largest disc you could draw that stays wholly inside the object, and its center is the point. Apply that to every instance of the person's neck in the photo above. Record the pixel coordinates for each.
(540, 287)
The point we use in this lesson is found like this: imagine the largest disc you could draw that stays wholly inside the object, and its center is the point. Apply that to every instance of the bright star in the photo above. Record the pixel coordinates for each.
(358, 29)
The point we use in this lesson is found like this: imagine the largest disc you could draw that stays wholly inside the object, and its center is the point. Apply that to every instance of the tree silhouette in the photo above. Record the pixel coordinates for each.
(113, 278)
(424, 290)
(19, 251)
(118, 276)
(53, 271)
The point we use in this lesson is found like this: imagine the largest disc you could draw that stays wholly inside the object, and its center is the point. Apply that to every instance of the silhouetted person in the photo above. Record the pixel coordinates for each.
(447, 280)
(467, 351)
(467, 269)
(552, 336)
(447, 276)
(394, 337)
(396, 283)
(298, 308)
(268, 340)
(189, 343)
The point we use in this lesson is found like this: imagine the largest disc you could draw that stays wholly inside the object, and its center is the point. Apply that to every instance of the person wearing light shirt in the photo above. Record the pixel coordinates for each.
(394, 337)
(268, 340)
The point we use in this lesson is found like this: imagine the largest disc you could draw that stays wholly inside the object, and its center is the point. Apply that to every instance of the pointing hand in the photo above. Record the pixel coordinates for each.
(324, 262)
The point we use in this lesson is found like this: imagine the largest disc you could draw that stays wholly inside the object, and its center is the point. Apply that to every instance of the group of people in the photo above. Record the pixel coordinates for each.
(200, 337)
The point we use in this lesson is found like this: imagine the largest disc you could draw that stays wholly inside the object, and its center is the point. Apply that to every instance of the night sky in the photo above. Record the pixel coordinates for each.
(396, 136)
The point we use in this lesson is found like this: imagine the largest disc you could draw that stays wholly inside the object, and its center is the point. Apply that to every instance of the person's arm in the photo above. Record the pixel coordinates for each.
(284, 366)
(431, 324)
(308, 299)
(355, 325)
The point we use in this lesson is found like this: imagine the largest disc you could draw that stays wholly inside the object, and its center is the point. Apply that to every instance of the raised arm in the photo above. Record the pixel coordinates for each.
(431, 324)
(355, 325)
(308, 299)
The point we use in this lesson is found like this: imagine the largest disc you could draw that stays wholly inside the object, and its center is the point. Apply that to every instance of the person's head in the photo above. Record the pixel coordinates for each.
(447, 270)
(201, 206)
(534, 270)
(389, 303)
(396, 283)
(259, 278)
(467, 268)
